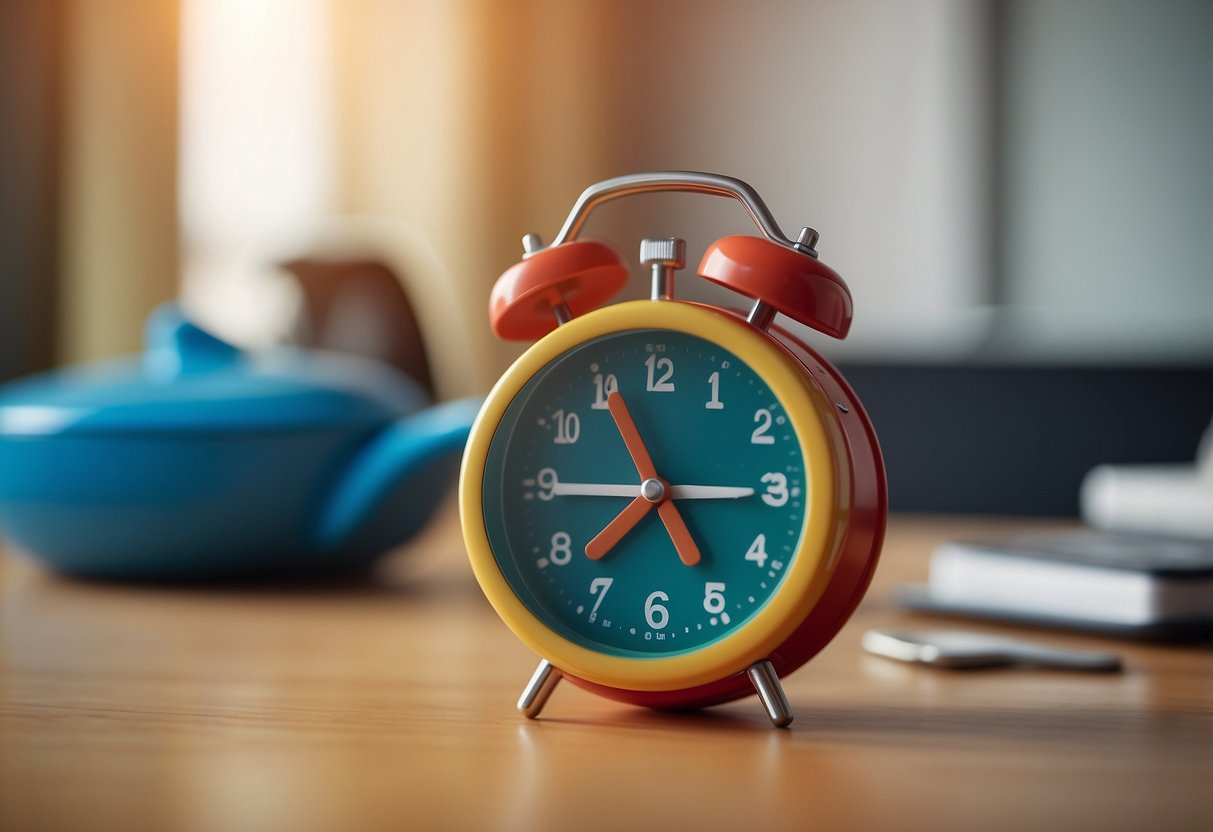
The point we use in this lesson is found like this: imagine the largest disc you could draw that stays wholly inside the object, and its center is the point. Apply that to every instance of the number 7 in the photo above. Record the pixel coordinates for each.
(603, 584)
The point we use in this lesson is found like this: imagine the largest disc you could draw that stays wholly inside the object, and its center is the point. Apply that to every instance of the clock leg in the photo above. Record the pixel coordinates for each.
(537, 691)
(770, 691)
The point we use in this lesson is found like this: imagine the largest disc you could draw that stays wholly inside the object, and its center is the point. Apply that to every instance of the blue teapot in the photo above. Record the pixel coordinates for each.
(199, 460)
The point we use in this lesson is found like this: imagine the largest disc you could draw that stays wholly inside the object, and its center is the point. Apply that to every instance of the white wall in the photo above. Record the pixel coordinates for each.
(998, 182)
(866, 120)
(1108, 187)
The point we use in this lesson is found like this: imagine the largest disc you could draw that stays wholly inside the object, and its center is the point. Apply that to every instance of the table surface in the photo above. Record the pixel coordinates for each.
(389, 704)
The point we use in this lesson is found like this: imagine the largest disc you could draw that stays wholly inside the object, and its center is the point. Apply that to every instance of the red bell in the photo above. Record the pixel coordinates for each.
(792, 282)
(580, 275)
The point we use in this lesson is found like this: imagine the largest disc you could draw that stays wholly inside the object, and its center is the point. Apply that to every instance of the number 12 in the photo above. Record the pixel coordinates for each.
(666, 367)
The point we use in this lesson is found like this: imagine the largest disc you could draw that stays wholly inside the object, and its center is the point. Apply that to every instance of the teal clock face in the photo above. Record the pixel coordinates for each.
(558, 472)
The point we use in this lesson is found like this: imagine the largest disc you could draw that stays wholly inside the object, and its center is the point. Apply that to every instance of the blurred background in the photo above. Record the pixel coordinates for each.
(1019, 193)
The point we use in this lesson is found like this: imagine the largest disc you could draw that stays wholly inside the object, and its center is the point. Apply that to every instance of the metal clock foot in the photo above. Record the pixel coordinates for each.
(770, 691)
(537, 691)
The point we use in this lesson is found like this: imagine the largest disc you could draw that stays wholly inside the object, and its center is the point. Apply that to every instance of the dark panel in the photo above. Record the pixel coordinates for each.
(31, 36)
(1019, 440)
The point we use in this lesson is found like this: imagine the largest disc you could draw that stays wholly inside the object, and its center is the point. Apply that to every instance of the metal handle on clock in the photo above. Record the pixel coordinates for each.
(685, 181)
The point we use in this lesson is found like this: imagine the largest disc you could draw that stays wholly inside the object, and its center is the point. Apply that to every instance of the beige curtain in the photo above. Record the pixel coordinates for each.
(473, 122)
(119, 173)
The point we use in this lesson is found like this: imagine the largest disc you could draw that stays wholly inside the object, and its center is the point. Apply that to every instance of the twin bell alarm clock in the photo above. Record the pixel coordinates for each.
(673, 504)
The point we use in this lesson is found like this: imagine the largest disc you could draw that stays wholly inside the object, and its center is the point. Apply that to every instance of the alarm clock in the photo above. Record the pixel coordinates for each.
(673, 504)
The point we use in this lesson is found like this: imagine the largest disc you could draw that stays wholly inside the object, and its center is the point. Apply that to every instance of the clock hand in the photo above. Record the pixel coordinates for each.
(614, 531)
(684, 544)
(631, 436)
(594, 489)
(677, 492)
(708, 492)
(675, 526)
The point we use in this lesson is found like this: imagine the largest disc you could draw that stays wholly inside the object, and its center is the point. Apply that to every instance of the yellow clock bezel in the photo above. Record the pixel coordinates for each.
(809, 570)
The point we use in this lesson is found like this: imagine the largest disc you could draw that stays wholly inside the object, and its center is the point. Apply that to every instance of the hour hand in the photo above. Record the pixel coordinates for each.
(615, 531)
(679, 534)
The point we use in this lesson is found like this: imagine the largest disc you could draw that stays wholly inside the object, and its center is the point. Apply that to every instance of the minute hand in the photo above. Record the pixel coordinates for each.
(677, 492)
(708, 492)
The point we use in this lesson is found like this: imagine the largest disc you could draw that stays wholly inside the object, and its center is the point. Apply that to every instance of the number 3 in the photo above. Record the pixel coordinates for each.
(777, 490)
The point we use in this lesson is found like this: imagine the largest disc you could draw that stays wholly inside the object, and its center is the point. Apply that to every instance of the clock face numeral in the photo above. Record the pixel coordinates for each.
(546, 480)
(714, 403)
(568, 428)
(656, 615)
(665, 366)
(603, 387)
(562, 551)
(599, 587)
(758, 551)
(760, 436)
(777, 489)
(558, 473)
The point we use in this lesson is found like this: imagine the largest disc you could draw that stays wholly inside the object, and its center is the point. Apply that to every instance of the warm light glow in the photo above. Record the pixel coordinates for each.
(257, 145)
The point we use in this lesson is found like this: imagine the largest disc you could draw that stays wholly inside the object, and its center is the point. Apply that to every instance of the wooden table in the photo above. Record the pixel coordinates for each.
(390, 705)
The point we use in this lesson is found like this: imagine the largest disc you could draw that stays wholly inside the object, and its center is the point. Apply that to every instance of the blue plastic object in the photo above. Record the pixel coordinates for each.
(198, 460)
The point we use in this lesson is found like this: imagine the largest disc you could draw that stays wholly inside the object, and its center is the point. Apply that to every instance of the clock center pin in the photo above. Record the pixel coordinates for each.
(654, 490)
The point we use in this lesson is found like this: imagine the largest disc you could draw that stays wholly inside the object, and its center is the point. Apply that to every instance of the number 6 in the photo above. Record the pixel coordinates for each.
(655, 614)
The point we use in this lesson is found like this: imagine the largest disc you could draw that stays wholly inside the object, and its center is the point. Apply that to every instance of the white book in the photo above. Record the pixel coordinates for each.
(1110, 581)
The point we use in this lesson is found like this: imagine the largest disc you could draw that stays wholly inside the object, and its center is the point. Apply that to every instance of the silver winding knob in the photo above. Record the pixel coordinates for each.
(665, 256)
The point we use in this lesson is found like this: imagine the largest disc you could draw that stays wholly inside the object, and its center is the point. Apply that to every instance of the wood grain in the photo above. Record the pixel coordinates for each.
(389, 705)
